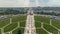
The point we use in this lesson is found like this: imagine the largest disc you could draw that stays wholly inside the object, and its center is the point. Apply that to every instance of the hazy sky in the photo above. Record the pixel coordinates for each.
(23, 3)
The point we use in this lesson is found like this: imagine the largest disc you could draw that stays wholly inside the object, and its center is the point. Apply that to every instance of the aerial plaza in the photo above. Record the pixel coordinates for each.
(32, 18)
(29, 24)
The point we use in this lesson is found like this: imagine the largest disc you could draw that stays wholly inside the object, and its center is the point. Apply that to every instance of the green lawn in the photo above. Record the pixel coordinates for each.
(50, 29)
(22, 30)
(6, 33)
(14, 24)
(46, 21)
(22, 24)
(10, 27)
(17, 30)
(42, 19)
(37, 24)
(0, 31)
(41, 31)
(38, 21)
(56, 23)
(18, 18)
(4, 22)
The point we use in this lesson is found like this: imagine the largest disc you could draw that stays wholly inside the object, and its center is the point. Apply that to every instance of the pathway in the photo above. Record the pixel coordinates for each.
(30, 26)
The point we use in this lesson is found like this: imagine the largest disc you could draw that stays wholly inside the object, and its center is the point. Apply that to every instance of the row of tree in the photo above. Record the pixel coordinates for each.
(47, 13)
(10, 11)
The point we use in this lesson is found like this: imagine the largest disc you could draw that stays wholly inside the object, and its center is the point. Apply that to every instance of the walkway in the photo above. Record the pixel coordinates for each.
(30, 26)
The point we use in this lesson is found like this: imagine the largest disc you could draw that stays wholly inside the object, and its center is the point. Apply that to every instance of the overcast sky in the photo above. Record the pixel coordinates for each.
(25, 3)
